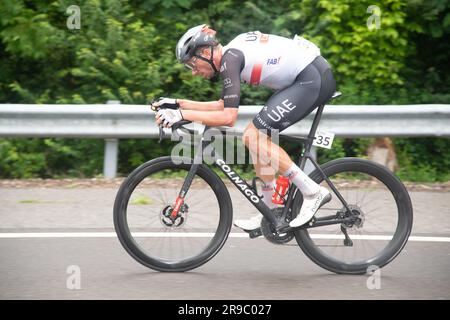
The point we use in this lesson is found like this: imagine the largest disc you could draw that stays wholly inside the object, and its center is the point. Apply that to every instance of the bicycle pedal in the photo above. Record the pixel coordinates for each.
(254, 233)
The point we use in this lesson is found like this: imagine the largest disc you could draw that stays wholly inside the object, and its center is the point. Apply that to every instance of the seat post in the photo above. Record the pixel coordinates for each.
(315, 124)
(312, 132)
(316, 121)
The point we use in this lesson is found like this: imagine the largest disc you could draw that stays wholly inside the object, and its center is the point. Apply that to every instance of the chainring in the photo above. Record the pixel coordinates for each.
(269, 231)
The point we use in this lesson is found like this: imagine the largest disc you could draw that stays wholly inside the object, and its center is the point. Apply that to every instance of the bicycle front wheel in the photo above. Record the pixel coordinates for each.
(148, 232)
(383, 214)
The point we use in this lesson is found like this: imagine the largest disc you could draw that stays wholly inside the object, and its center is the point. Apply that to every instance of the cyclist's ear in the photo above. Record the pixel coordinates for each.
(205, 52)
(208, 30)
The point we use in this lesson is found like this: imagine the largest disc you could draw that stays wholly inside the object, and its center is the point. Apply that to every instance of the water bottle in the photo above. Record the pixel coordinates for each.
(282, 186)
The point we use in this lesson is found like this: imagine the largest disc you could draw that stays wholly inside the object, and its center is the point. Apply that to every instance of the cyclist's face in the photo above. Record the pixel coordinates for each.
(200, 67)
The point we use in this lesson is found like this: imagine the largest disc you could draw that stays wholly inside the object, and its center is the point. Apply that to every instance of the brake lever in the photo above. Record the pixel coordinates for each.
(174, 127)
(161, 133)
(160, 127)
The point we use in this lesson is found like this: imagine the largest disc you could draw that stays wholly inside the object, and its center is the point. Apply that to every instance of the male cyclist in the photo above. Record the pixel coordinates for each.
(294, 67)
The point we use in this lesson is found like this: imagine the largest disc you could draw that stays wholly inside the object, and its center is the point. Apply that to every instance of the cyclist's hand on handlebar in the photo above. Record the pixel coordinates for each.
(167, 117)
(164, 103)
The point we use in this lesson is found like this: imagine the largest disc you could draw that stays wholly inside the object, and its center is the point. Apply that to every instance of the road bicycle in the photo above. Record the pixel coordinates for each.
(175, 213)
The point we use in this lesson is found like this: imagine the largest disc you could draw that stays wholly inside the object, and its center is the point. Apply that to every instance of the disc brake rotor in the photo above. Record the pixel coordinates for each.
(170, 222)
(356, 213)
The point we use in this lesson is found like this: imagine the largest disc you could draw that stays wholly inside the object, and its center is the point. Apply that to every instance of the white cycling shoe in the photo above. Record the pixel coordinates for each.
(249, 224)
(310, 207)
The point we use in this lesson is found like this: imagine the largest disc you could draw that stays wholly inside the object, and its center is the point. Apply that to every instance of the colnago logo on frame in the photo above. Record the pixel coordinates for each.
(238, 181)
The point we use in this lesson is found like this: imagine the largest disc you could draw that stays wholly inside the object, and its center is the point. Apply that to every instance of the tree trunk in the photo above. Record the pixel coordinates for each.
(382, 151)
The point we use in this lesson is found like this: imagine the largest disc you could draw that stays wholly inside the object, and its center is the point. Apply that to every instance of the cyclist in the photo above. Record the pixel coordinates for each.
(294, 67)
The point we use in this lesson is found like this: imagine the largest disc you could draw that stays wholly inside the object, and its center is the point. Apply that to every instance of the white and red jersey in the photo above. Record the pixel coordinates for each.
(270, 60)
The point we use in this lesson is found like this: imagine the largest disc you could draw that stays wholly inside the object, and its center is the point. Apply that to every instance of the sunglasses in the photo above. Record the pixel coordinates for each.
(191, 64)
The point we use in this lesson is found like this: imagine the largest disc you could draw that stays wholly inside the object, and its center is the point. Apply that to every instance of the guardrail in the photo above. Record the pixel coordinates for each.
(115, 121)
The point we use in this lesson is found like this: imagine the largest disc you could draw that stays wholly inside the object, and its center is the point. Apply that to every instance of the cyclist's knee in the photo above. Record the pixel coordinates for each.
(250, 134)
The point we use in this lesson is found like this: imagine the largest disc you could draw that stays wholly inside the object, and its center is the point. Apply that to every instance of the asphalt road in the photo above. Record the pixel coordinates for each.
(99, 268)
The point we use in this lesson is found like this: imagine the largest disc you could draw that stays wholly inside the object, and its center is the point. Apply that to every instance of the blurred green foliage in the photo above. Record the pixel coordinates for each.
(124, 51)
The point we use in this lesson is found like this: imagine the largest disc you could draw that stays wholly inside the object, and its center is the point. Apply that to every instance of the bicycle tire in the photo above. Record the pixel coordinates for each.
(123, 231)
(402, 232)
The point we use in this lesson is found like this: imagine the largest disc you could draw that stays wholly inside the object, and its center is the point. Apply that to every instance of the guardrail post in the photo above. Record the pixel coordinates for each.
(111, 154)
(110, 158)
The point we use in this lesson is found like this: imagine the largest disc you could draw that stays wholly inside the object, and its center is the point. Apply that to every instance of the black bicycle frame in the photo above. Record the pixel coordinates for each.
(305, 155)
(234, 177)
(250, 194)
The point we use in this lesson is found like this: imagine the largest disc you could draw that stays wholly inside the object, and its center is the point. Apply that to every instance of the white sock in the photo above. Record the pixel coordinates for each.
(304, 183)
(267, 191)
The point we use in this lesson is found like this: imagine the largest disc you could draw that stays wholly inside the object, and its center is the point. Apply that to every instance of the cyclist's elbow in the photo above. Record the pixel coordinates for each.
(230, 123)
(230, 116)
(220, 104)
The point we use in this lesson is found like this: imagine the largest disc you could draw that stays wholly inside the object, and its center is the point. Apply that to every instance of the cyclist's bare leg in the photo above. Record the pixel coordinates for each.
(263, 170)
(268, 153)
(272, 154)
(314, 195)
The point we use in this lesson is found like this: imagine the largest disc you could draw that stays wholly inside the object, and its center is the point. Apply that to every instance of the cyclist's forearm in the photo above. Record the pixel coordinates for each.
(209, 118)
(203, 106)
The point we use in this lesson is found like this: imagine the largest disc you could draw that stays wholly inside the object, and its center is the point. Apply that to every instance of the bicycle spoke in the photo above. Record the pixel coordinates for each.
(161, 196)
(364, 198)
(377, 226)
(357, 194)
(366, 213)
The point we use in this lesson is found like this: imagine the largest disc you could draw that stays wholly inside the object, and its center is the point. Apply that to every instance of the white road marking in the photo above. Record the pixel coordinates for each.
(11, 235)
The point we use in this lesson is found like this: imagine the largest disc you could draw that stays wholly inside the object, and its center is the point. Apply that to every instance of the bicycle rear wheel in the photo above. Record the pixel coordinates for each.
(142, 215)
(383, 218)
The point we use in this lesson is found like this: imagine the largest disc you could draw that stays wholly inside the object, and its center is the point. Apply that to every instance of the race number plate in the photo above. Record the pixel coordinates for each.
(323, 139)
